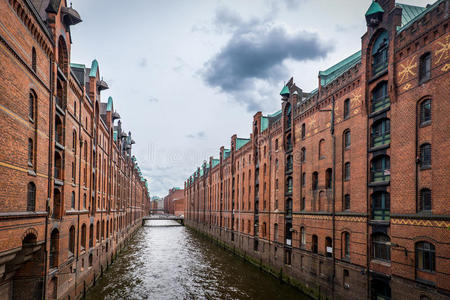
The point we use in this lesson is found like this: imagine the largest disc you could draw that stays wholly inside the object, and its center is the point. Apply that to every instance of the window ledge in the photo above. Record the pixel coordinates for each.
(378, 75)
(381, 262)
(425, 168)
(377, 148)
(32, 173)
(378, 112)
(379, 183)
(425, 124)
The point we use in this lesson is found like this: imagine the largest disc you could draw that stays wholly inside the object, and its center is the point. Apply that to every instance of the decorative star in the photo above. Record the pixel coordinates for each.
(407, 69)
(443, 51)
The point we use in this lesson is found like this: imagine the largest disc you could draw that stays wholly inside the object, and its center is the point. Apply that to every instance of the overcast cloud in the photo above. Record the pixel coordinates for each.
(187, 75)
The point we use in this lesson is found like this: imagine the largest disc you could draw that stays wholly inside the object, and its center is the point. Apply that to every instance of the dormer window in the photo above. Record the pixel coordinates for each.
(380, 53)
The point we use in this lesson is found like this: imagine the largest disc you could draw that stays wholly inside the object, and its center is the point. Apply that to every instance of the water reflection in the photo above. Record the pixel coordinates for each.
(177, 263)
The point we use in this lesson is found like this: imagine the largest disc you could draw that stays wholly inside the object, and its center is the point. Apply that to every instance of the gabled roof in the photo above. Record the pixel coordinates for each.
(374, 8)
(411, 13)
(338, 69)
(264, 123)
(215, 162)
(226, 153)
(241, 143)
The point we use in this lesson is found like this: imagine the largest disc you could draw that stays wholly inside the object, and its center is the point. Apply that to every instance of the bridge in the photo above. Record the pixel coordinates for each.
(179, 219)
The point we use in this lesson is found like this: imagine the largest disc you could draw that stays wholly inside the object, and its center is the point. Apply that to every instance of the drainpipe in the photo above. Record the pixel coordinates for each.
(49, 185)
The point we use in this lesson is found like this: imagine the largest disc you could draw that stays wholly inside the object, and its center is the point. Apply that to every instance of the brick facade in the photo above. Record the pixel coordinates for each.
(339, 192)
(174, 202)
(71, 192)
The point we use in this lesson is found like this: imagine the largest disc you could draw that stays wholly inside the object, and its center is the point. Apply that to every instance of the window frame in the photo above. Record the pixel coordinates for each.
(380, 134)
(421, 250)
(425, 67)
(425, 113)
(425, 156)
(382, 101)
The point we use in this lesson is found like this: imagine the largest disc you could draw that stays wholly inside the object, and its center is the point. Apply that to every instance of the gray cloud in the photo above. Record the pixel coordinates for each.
(142, 62)
(199, 135)
(153, 99)
(256, 51)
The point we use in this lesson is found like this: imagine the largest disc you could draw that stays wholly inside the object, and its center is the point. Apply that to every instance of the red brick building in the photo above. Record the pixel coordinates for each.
(71, 192)
(344, 191)
(174, 202)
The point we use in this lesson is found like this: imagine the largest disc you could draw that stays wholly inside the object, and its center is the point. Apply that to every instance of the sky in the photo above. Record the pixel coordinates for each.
(187, 75)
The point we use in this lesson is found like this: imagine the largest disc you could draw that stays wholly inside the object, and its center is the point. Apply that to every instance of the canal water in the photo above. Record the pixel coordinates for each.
(178, 263)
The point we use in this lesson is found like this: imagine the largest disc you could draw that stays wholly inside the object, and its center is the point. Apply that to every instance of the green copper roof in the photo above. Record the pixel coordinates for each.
(215, 162)
(264, 123)
(110, 103)
(285, 91)
(275, 114)
(201, 172)
(338, 69)
(115, 135)
(411, 13)
(226, 153)
(78, 66)
(241, 143)
(94, 67)
(374, 8)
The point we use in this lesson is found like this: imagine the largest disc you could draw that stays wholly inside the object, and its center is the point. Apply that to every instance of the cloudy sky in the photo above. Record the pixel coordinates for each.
(186, 75)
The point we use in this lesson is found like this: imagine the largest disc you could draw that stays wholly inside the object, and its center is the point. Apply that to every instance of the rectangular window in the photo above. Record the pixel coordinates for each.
(424, 67)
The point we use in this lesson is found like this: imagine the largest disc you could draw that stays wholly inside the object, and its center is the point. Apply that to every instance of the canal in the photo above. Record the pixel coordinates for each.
(178, 263)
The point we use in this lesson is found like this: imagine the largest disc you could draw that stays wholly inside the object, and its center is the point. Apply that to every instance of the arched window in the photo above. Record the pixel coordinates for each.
(289, 163)
(74, 142)
(264, 229)
(302, 237)
(276, 144)
(275, 232)
(380, 97)
(33, 59)
(91, 235)
(346, 108)
(328, 178)
(425, 112)
(381, 206)
(72, 200)
(381, 248)
(303, 131)
(90, 260)
(346, 202)
(289, 207)
(288, 233)
(85, 150)
(54, 248)
(303, 155)
(314, 244)
(380, 169)
(425, 200)
(425, 156)
(103, 229)
(380, 53)
(381, 133)
(347, 139)
(31, 196)
(315, 181)
(84, 201)
(30, 153)
(288, 113)
(303, 179)
(289, 185)
(31, 106)
(59, 131)
(288, 142)
(97, 233)
(321, 154)
(425, 256)
(424, 67)
(56, 203)
(347, 171)
(83, 237)
(62, 55)
(346, 245)
(71, 241)
(276, 166)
